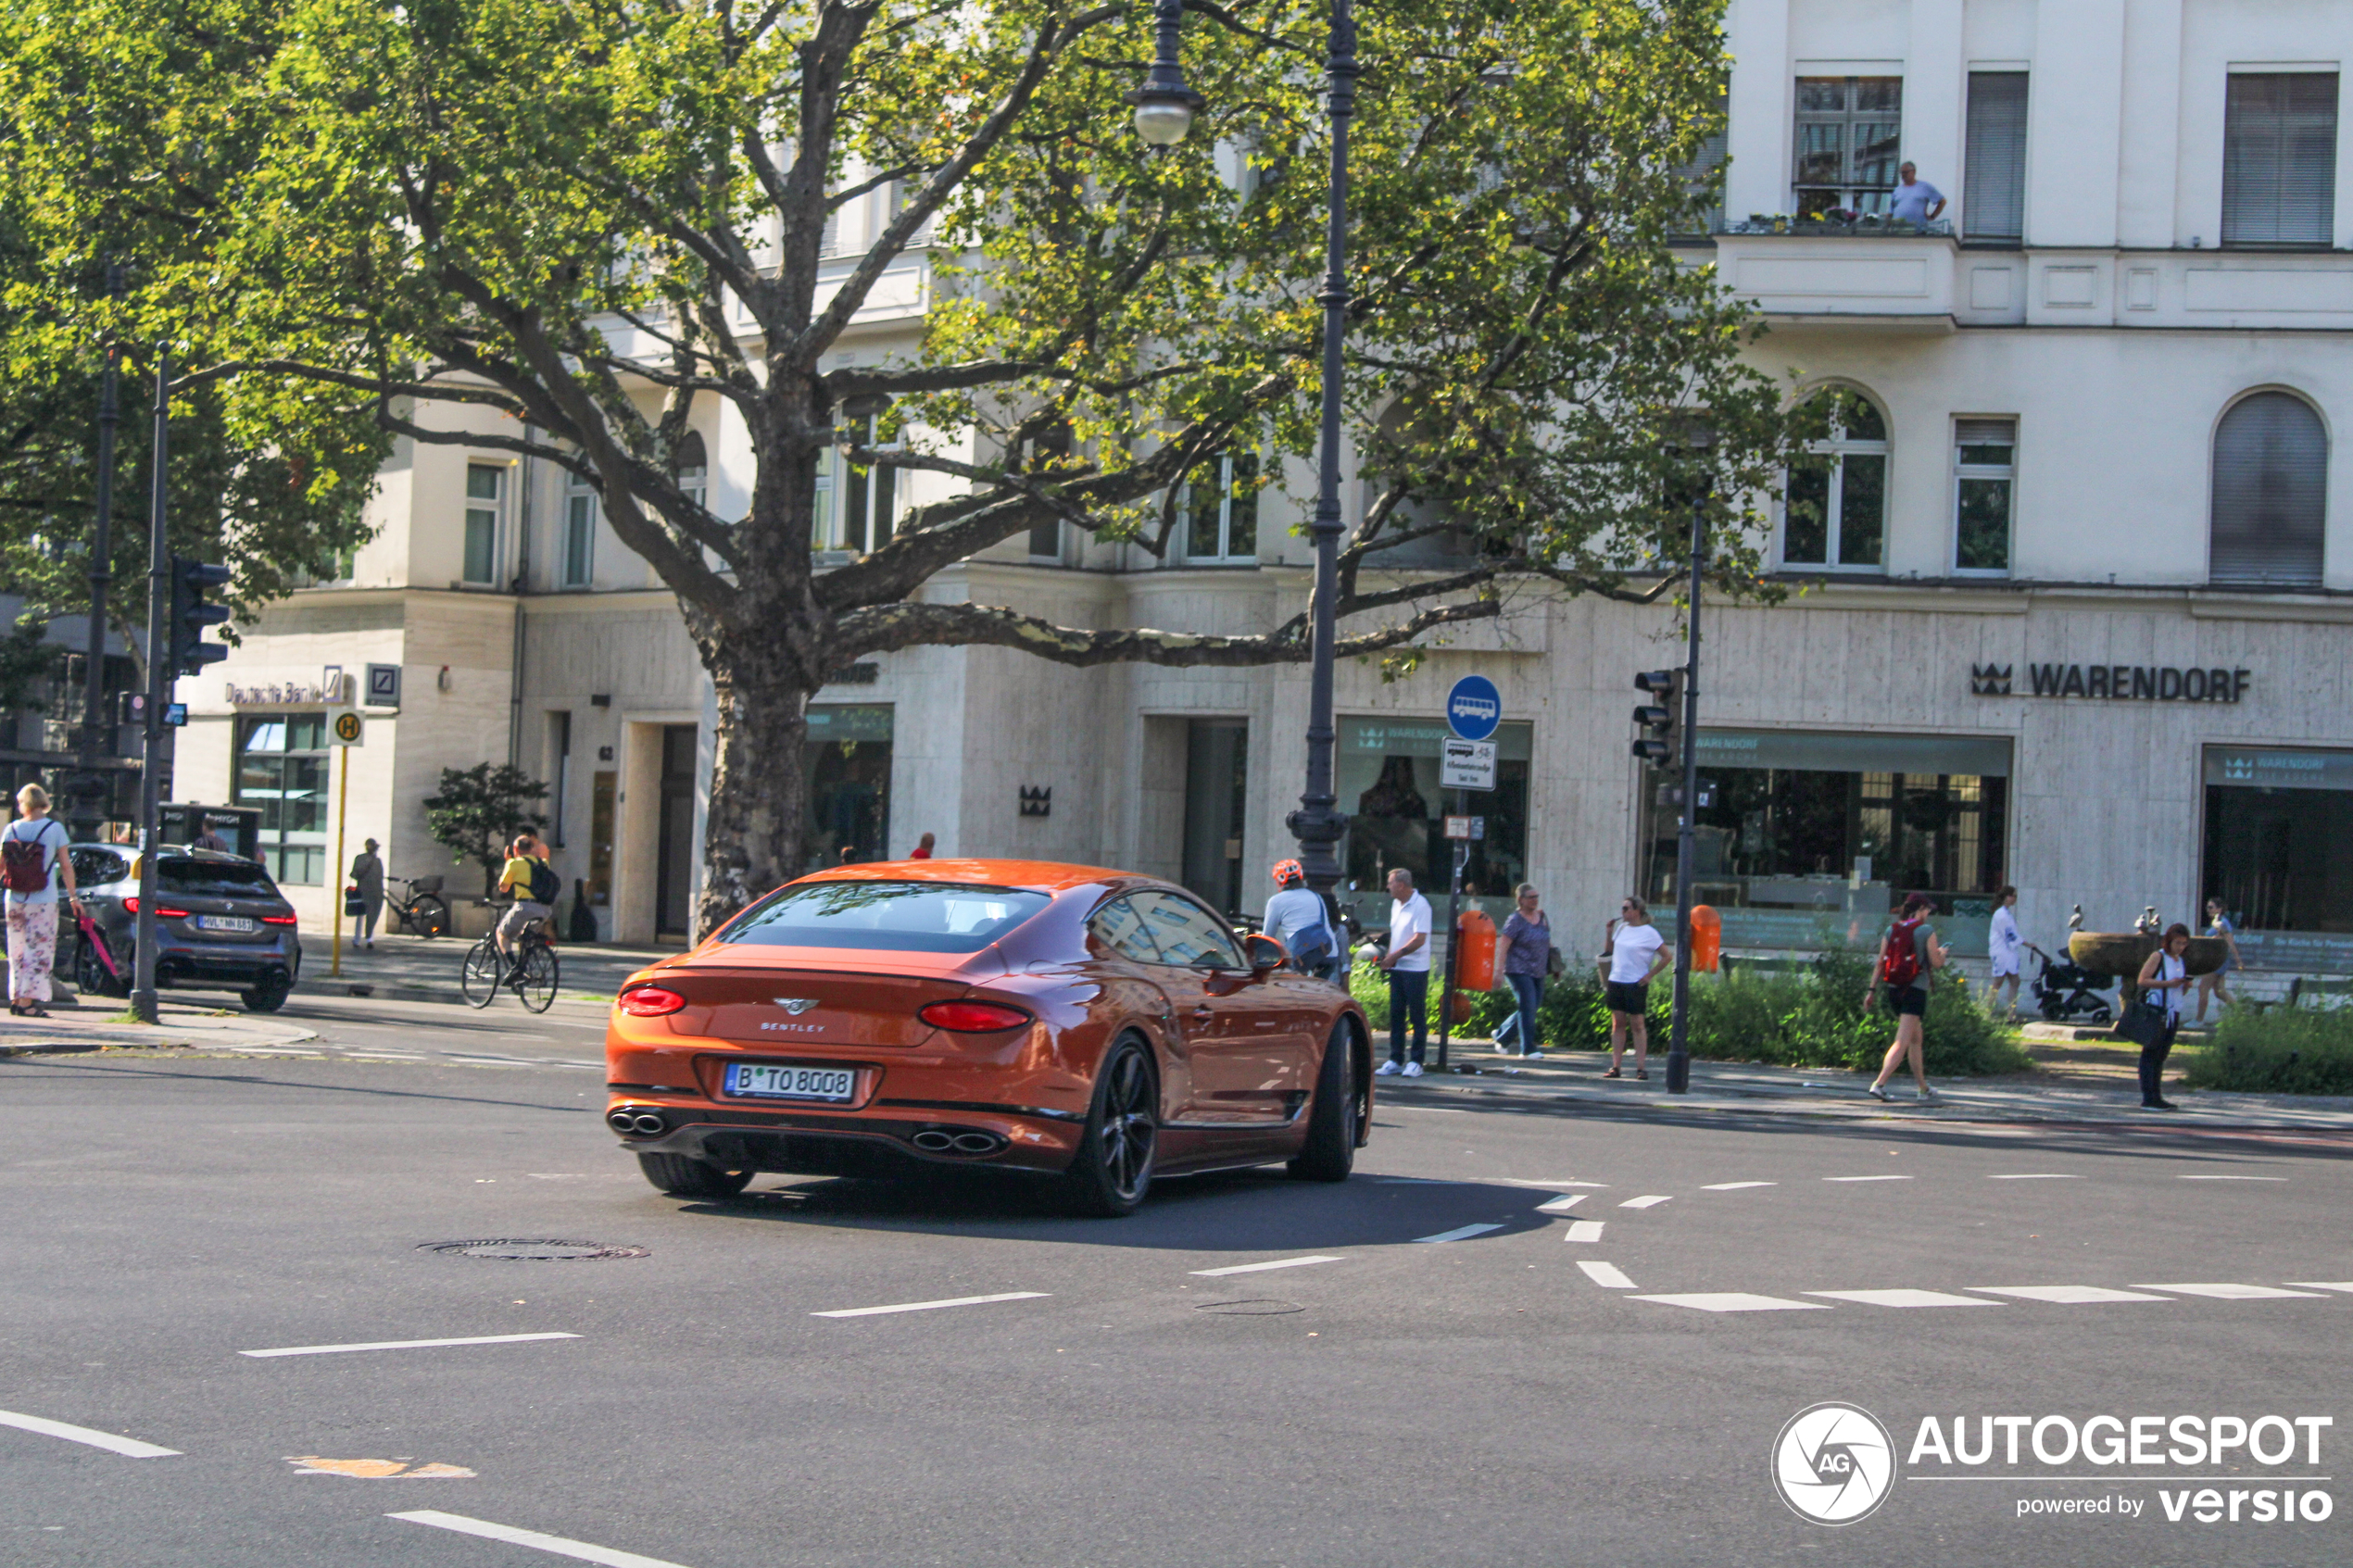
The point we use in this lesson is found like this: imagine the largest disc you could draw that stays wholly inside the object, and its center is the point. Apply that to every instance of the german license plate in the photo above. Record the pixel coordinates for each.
(761, 1081)
(227, 923)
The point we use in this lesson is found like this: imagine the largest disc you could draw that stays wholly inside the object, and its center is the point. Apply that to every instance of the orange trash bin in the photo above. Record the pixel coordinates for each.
(1707, 937)
(1474, 952)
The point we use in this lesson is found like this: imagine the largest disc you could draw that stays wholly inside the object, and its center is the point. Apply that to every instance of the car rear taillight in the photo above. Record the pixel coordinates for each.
(130, 906)
(971, 1017)
(649, 1002)
(279, 920)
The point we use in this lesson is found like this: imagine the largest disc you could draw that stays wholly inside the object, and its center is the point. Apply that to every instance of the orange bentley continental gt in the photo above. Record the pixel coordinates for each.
(879, 1018)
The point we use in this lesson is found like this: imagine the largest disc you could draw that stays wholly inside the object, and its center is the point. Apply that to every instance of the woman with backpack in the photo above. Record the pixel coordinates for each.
(32, 859)
(1908, 961)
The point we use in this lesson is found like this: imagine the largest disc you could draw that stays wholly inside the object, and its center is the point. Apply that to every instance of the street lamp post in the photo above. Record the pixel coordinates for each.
(1678, 1053)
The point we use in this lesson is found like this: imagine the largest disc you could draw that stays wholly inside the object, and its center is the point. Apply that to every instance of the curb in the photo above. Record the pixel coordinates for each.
(429, 994)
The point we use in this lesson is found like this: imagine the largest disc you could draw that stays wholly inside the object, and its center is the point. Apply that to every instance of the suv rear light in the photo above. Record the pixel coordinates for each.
(130, 906)
(279, 920)
(649, 1002)
(971, 1017)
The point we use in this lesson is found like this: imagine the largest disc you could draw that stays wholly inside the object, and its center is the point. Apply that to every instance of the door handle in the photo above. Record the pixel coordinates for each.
(1203, 1014)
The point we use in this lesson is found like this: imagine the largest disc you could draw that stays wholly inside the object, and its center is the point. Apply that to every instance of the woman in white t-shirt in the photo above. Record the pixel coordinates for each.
(2004, 947)
(1633, 954)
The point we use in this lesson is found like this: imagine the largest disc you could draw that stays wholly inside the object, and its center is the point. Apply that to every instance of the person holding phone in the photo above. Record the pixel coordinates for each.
(2167, 973)
(1633, 954)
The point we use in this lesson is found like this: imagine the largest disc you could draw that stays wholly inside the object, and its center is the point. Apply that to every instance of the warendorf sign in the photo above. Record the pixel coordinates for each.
(2128, 682)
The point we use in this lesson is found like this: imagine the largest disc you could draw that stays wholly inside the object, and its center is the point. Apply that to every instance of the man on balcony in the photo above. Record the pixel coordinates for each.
(1915, 201)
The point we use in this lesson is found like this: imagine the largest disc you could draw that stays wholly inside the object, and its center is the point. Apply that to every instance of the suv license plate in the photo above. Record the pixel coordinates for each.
(227, 923)
(760, 1081)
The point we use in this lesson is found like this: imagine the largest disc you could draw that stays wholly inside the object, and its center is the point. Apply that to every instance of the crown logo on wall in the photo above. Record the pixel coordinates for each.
(1989, 679)
(1036, 802)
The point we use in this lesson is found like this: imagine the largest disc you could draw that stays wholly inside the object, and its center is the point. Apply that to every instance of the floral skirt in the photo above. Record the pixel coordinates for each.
(32, 950)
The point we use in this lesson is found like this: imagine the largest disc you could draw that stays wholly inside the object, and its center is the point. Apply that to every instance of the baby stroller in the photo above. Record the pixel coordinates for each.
(2063, 991)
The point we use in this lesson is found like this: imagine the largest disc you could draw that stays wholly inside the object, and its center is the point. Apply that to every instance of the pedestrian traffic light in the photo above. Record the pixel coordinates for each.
(190, 615)
(1657, 722)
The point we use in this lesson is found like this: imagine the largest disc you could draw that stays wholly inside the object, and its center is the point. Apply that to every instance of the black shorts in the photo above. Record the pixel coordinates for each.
(1626, 996)
(1907, 1001)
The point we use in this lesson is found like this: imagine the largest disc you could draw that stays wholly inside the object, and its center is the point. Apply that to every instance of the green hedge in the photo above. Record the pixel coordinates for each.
(2279, 1050)
(1808, 1018)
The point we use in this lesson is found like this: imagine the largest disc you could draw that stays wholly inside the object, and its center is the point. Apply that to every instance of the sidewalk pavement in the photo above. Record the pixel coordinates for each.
(200, 1025)
(415, 969)
(2078, 1089)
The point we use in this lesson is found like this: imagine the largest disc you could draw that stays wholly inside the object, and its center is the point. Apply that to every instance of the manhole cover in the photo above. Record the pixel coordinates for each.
(1253, 1309)
(532, 1251)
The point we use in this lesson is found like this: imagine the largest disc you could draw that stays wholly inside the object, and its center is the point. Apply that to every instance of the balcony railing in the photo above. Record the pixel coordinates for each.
(1861, 225)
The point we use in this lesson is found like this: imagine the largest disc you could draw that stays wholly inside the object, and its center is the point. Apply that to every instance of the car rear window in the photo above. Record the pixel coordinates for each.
(215, 879)
(913, 917)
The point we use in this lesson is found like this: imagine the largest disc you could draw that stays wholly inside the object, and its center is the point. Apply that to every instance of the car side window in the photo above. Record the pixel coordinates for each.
(1189, 934)
(1120, 928)
(95, 867)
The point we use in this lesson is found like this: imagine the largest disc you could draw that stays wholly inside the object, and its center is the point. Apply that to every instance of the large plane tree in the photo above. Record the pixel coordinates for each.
(600, 218)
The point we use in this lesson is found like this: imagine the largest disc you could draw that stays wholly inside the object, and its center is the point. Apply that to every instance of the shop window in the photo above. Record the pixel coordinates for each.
(1849, 134)
(1387, 777)
(2279, 854)
(281, 767)
(1994, 158)
(1217, 807)
(1220, 510)
(2279, 159)
(1835, 507)
(486, 506)
(1985, 470)
(2270, 493)
(1812, 837)
(580, 533)
(848, 763)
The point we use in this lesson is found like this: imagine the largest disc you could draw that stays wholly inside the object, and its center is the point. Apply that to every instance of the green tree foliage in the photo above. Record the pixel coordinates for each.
(478, 811)
(596, 222)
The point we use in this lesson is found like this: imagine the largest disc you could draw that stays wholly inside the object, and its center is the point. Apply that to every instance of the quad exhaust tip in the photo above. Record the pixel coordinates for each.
(969, 1142)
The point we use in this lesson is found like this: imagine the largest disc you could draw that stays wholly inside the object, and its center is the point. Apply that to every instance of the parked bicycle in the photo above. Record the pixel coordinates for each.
(422, 912)
(534, 972)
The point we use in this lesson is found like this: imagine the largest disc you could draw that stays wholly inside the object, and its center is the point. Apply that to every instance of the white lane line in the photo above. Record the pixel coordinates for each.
(1866, 1178)
(1260, 1268)
(2345, 1285)
(130, 1447)
(1735, 1186)
(2235, 1292)
(403, 1345)
(1903, 1297)
(1585, 1230)
(1529, 1182)
(1651, 1201)
(1560, 1205)
(2230, 1178)
(1607, 1275)
(1734, 1302)
(384, 1056)
(2065, 1295)
(1460, 1233)
(557, 1545)
(1434, 1110)
(929, 1306)
(2037, 1176)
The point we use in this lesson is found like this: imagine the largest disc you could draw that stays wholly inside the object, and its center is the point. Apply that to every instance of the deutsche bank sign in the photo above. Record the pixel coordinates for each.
(1474, 708)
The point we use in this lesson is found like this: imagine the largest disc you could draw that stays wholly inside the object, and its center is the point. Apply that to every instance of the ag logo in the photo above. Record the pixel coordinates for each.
(1833, 1464)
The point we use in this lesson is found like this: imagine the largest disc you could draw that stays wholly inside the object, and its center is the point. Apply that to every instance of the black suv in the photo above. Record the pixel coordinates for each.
(223, 924)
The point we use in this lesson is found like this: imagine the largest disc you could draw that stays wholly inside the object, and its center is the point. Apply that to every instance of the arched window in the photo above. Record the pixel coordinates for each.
(2270, 493)
(1836, 510)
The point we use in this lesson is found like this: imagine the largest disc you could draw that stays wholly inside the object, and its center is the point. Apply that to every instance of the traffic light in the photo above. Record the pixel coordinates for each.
(190, 615)
(1658, 723)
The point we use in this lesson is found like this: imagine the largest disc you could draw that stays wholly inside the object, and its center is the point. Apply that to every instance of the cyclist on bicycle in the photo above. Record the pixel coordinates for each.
(535, 888)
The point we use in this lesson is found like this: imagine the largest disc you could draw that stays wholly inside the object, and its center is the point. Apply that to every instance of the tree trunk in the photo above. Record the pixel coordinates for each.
(758, 787)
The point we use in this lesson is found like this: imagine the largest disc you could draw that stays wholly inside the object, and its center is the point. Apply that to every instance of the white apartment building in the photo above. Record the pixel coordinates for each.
(2070, 592)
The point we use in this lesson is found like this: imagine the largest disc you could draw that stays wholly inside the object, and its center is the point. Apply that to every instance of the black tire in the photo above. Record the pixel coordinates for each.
(2101, 1015)
(540, 974)
(479, 975)
(268, 997)
(1335, 1115)
(683, 1176)
(429, 917)
(90, 976)
(1113, 1167)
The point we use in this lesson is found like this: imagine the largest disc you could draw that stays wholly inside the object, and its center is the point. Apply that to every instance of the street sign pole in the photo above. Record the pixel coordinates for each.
(160, 675)
(1461, 848)
(344, 730)
(1679, 1054)
(1474, 711)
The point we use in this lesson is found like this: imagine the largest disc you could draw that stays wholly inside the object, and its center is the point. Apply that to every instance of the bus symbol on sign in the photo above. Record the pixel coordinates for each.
(1474, 708)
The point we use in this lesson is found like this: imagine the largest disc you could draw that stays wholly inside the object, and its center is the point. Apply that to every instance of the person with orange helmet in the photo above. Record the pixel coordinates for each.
(1296, 918)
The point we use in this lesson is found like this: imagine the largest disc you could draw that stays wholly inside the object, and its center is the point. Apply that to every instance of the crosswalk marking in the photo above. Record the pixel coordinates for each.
(1735, 1186)
(1734, 1302)
(1903, 1297)
(1561, 1205)
(1262, 1268)
(1606, 1275)
(1585, 1230)
(130, 1447)
(1649, 1201)
(1460, 1233)
(2065, 1295)
(2226, 1292)
(2345, 1285)
(2037, 1176)
(1866, 1178)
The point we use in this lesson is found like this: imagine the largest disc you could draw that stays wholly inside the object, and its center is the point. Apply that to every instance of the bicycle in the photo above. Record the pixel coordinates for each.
(535, 972)
(423, 911)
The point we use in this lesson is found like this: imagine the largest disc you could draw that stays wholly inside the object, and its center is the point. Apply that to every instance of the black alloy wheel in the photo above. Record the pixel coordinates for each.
(1113, 1167)
(683, 1176)
(90, 976)
(1335, 1116)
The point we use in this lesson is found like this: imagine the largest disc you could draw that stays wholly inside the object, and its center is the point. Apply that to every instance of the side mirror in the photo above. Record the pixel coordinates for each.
(1266, 954)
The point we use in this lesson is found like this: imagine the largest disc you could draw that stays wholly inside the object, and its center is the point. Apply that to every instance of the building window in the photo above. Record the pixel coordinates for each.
(867, 493)
(1046, 539)
(1386, 773)
(1985, 468)
(1849, 132)
(1220, 508)
(1703, 177)
(2279, 159)
(580, 534)
(281, 768)
(1835, 513)
(486, 503)
(1994, 157)
(2270, 493)
(693, 472)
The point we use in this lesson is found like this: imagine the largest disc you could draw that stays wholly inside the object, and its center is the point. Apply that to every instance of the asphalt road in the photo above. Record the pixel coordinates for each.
(1557, 1384)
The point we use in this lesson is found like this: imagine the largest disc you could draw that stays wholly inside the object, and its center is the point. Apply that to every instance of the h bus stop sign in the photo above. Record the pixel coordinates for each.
(1474, 708)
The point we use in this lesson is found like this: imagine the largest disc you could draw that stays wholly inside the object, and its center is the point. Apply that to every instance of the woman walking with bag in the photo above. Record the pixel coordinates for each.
(33, 857)
(2153, 1020)
(1528, 949)
(1907, 963)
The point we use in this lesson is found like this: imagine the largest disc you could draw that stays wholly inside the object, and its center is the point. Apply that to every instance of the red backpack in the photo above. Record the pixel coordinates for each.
(1899, 956)
(24, 862)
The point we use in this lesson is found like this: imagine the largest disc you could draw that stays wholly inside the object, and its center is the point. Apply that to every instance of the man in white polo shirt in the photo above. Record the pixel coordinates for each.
(1407, 962)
